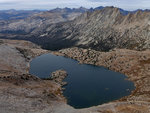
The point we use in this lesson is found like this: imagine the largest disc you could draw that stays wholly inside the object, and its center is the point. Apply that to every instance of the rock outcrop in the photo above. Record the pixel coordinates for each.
(58, 77)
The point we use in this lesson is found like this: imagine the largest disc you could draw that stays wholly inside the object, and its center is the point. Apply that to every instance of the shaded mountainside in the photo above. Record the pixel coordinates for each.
(103, 29)
(106, 29)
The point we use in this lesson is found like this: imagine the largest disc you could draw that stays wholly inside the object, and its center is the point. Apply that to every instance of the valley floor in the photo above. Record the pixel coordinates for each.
(21, 92)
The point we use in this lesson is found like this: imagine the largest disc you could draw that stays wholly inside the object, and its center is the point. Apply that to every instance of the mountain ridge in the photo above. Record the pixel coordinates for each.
(103, 29)
(106, 29)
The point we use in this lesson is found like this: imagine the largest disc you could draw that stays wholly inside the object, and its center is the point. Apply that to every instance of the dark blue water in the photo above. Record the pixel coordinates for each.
(87, 85)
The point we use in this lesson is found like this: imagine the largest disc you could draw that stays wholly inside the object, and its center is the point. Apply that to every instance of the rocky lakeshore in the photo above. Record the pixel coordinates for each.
(134, 64)
(58, 77)
(21, 92)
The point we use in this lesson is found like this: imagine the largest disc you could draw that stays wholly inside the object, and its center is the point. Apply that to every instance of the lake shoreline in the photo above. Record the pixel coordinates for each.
(83, 56)
(46, 95)
(81, 82)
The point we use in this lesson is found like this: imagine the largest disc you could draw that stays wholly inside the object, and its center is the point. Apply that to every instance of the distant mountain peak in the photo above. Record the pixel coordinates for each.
(66, 9)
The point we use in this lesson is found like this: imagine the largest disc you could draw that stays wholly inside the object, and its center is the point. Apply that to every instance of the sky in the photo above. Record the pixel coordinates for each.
(51, 4)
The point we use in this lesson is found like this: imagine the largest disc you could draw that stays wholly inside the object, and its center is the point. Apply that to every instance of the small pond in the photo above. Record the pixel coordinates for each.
(88, 85)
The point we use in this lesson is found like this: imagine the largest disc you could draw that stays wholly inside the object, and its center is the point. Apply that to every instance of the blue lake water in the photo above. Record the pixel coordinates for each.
(88, 85)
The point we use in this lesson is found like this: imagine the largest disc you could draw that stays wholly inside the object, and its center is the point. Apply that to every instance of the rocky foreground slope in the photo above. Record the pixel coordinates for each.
(21, 92)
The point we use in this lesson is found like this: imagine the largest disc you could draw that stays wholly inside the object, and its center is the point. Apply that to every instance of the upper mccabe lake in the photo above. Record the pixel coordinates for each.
(88, 85)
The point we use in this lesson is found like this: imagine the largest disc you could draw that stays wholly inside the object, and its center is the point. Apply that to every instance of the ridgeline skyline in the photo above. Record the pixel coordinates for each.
(50, 4)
